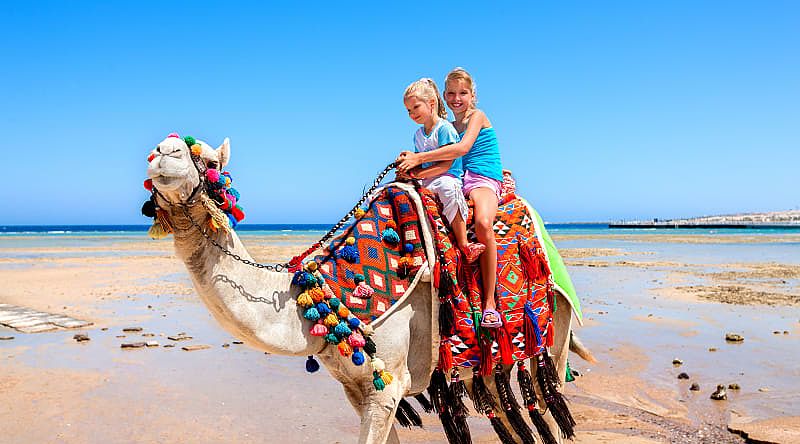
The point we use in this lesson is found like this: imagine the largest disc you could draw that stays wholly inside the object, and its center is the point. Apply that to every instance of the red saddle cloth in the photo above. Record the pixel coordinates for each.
(524, 292)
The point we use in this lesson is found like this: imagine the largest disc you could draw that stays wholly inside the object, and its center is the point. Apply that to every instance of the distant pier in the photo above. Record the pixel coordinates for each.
(707, 226)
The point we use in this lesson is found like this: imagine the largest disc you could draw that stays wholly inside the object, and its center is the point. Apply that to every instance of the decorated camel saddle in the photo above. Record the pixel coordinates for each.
(399, 240)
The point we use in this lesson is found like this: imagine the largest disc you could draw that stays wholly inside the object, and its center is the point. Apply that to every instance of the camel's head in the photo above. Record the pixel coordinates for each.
(173, 170)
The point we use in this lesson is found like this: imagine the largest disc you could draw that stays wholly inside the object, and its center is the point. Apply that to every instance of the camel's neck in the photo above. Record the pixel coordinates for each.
(251, 303)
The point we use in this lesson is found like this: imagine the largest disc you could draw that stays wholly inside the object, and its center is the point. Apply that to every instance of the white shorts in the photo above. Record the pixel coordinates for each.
(450, 193)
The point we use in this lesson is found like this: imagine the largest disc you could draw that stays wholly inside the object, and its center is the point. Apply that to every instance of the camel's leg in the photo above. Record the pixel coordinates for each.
(563, 325)
(377, 416)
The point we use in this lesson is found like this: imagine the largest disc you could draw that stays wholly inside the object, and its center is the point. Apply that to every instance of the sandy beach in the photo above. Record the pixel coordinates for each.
(648, 299)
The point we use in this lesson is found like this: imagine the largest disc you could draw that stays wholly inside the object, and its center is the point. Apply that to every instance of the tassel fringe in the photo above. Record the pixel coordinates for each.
(529, 398)
(424, 402)
(511, 407)
(407, 416)
(548, 382)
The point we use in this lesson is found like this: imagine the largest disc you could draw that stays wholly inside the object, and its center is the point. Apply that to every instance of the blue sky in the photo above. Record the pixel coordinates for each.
(604, 110)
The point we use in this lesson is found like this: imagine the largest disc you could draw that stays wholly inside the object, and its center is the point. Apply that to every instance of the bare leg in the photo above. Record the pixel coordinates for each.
(459, 230)
(485, 213)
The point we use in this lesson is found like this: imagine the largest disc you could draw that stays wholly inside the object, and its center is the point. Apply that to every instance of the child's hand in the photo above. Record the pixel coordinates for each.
(404, 177)
(408, 160)
(402, 156)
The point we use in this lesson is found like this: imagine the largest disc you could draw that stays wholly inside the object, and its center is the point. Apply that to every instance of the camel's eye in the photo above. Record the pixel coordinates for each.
(212, 164)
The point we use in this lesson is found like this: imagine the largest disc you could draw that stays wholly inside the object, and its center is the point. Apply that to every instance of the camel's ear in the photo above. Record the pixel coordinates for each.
(224, 153)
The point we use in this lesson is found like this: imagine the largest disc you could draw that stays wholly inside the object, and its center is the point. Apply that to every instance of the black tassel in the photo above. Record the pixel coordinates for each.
(446, 317)
(369, 346)
(501, 430)
(556, 405)
(511, 407)
(424, 402)
(405, 411)
(439, 394)
(459, 411)
(481, 397)
(529, 398)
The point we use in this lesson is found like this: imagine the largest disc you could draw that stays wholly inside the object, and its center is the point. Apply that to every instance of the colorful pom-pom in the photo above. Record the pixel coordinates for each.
(353, 322)
(386, 377)
(408, 248)
(189, 140)
(332, 338)
(235, 193)
(149, 209)
(311, 364)
(319, 330)
(350, 241)
(173, 135)
(212, 174)
(359, 278)
(311, 313)
(377, 381)
(323, 309)
(151, 157)
(331, 320)
(349, 253)
(311, 266)
(317, 295)
(359, 213)
(391, 224)
(345, 349)
(378, 365)
(148, 184)
(300, 278)
(358, 357)
(342, 330)
(356, 340)
(334, 303)
(196, 149)
(343, 312)
(363, 291)
(390, 236)
(304, 300)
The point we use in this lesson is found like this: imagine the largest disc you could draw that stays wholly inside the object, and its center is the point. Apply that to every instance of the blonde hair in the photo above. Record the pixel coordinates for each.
(459, 73)
(426, 89)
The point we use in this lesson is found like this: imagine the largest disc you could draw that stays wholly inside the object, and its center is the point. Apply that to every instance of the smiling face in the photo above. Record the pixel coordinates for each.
(173, 171)
(459, 96)
(419, 110)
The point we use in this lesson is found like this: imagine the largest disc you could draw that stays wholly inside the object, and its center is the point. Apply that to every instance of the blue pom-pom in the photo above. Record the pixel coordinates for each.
(390, 236)
(342, 330)
(332, 338)
(354, 322)
(234, 193)
(311, 313)
(349, 253)
(358, 357)
(311, 280)
(312, 365)
(232, 220)
(299, 278)
(323, 309)
(334, 302)
(408, 248)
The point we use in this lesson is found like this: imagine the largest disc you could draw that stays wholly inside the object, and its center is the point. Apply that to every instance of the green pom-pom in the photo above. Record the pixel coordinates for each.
(189, 141)
(377, 381)
(332, 338)
(359, 278)
(334, 303)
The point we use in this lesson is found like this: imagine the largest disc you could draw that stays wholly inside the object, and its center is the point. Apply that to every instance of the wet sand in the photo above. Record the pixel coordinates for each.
(644, 305)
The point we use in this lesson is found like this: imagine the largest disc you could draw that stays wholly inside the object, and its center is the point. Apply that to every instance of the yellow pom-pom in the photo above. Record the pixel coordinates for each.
(317, 295)
(378, 365)
(157, 231)
(350, 240)
(386, 377)
(359, 213)
(345, 349)
(197, 149)
(331, 320)
(311, 266)
(304, 300)
(343, 312)
(227, 181)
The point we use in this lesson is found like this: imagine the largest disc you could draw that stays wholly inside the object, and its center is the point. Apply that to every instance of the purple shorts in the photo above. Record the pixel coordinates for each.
(474, 181)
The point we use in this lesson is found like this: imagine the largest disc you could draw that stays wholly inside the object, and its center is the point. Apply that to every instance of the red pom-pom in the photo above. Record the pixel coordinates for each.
(151, 157)
(391, 224)
(148, 184)
(237, 213)
(173, 135)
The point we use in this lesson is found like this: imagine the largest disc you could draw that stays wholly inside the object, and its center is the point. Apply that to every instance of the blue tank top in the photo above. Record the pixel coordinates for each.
(484, 156)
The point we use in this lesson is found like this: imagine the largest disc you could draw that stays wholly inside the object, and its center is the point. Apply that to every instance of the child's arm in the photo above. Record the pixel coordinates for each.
(436, 170)
(410, 160)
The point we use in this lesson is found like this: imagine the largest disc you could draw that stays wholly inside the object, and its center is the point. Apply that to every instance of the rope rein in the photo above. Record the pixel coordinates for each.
(296, 261)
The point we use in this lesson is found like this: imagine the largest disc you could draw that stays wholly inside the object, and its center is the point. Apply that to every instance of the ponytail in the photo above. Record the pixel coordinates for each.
(426, 89)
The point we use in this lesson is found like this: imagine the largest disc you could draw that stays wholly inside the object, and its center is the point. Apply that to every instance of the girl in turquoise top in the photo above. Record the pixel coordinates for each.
(482, 177)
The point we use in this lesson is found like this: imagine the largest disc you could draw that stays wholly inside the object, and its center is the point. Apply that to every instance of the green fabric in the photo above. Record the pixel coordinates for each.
(557, 267)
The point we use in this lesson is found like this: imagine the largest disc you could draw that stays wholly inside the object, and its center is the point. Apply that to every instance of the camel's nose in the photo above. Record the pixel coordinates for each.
(165, 149)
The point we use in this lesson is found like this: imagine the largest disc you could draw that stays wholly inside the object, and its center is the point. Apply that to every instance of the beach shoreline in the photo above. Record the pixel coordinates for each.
(645, 304)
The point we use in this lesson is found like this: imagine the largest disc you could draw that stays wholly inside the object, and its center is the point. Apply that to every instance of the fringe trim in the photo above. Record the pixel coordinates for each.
(424, 402)
(511, 407)
(453, 427)
(529, 398)
(406, 415)
(548, 381)
(485, 404)
(501, 430)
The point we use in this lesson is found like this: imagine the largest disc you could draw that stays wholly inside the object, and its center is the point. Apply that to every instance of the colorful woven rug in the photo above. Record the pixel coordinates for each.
(524, 287)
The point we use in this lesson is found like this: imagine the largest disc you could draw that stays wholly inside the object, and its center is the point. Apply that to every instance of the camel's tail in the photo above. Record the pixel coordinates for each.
(576, 346)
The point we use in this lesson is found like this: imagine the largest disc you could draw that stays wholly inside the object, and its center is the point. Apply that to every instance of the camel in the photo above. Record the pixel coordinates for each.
(258, 305)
